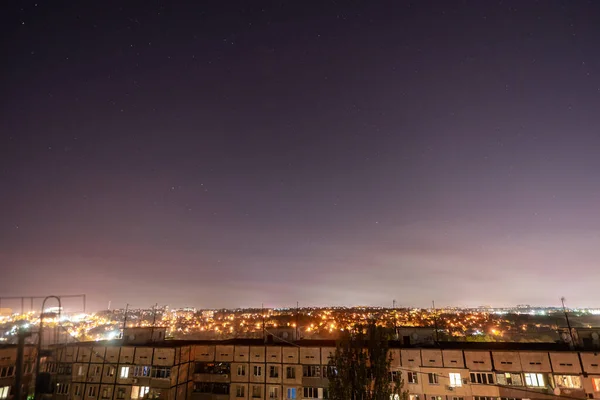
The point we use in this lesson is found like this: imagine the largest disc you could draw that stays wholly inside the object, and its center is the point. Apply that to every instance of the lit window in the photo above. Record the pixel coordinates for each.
(455, 379)
(509, 379)
(534, 380)
(124, 373)
(139, 392)
(568, 381)
(291, 393)
(4, 391)
(413, 397)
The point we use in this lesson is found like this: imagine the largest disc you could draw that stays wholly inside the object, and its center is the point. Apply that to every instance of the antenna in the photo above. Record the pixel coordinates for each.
(562, 300)
(435, 325)
(125, 319)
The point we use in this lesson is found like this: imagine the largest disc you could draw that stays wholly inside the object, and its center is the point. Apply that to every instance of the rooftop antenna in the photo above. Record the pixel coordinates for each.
(435, 325)
(562, 300)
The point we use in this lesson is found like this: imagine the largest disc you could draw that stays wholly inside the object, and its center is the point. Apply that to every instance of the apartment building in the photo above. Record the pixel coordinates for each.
(144, 365)
(8, 369)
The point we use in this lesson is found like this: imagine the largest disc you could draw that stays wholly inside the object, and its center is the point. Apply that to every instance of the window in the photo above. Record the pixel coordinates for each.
(257, 370)
(124, 373)
(212, 368)
(4, 391)
(240, 391)
(273, 392)
(458, 398)
(121, 393)
(80, 370)
(413, 397)
(482, 377)
(273, 372)
(139, 392)
(7, 371)
(329, 370)
(411, 377)
(77, 390)
(568, 381)
(110, 371)
(484, 398)
(509, 379)
(95, 370)
(256, 392)
(436, 397)
(596, 383)
(161, 372)
(92, 391)
(395, 376)
(214, 388)
(241, 370)
(290, 373)
(62, 388)
(455, 379)
(534, 380)
(106, 393)
(311, 393)
(141, 371)
(291, 393)
(433, 379)
(311, 371)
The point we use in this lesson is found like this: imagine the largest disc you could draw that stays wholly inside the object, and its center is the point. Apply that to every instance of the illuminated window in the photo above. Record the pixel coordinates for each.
(509, 379)
(139, 392)
(4, 391)
(413, 397)
(455, 379)
(141, 371)
(568, 381)
(596, 383)
(124, 373)
(534, 380)
(291, 393)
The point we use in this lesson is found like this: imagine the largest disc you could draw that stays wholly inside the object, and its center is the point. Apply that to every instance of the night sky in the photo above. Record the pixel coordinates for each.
(233, 153)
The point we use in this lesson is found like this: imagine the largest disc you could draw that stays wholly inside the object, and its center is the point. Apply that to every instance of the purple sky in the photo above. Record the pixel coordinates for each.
(233, 153)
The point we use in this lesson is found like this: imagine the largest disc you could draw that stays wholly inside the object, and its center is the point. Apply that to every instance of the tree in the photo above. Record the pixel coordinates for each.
(360, 367)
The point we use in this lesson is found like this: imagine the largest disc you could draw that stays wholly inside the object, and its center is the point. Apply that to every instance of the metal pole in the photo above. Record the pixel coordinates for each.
(37, 394)
(19, 369)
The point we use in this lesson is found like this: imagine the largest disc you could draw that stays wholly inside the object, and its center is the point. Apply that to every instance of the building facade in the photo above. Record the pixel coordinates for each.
(142, 366)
